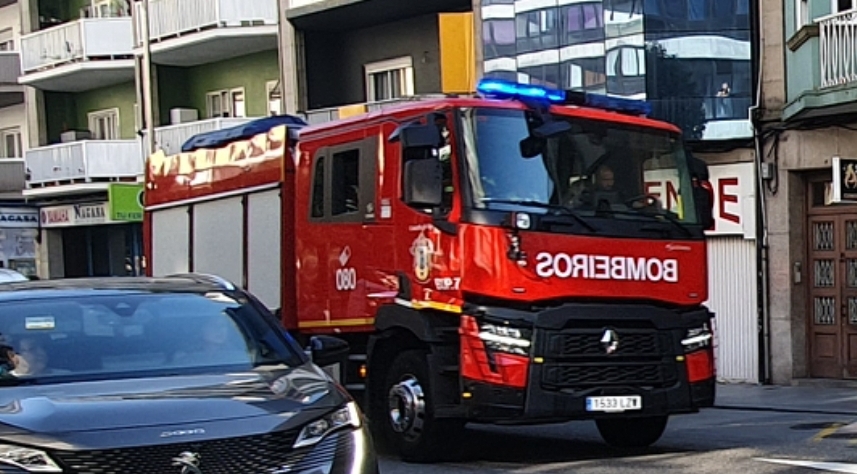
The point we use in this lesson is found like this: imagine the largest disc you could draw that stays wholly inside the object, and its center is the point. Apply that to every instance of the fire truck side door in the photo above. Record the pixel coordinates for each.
(352, 239)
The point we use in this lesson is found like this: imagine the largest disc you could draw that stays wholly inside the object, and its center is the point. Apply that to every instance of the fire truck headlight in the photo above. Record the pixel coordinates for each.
(506, 339)
(697, 338)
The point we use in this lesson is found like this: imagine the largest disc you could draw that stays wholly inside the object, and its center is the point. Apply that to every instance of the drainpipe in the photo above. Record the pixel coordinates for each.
(761, 231)
(148, 107)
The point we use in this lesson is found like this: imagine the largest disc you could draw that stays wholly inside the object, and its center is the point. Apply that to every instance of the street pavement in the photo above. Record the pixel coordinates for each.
(754, 429)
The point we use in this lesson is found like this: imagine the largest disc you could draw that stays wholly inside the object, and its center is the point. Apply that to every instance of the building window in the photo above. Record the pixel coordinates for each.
(537, 30)
(104, 124)
(840, 6)
(801, 13)
(10, 143)
(7, 42)
(391, 79)
(274, 98)
(106, 9)
(226, 103)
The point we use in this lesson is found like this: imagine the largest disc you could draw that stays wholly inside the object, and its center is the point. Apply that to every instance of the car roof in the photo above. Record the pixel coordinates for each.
(75, 287)
(7, 275)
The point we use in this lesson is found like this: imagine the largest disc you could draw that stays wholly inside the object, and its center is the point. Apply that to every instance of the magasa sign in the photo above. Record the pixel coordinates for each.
(606, 267)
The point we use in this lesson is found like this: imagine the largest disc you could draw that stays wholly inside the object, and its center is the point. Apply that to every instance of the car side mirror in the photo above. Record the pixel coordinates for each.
(423, 186)
(327, 350)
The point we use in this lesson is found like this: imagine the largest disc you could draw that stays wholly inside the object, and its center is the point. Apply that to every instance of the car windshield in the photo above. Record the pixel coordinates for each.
(593, 166)
(137, 334)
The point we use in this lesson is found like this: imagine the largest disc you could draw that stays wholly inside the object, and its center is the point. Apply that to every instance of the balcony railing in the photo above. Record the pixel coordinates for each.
(317, 116)
(10, 67)
(171, 18)
(83, 161)
(838, 48)
(11, 175)
(171, 137)
(82, 40)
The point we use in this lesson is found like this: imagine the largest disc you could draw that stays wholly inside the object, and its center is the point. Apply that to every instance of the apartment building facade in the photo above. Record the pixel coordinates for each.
(80, 68)
(18, 221)
(808, 118)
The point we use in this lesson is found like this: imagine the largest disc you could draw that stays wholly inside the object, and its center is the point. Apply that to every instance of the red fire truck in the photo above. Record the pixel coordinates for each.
(521, 256)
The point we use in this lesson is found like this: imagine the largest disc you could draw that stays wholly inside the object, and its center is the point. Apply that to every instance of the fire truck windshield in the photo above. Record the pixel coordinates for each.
(588, 168)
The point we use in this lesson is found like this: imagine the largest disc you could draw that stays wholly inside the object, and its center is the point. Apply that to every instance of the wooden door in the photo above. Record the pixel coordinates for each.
(833, 295)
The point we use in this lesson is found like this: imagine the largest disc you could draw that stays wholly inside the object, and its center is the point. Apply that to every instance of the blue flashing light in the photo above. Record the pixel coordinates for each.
(616, 104)
(500, 89)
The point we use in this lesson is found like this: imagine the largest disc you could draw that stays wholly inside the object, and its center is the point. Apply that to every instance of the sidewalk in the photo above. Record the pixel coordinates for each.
(810, 399)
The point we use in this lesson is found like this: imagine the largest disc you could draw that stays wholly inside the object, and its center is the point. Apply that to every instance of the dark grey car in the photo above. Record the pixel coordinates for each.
(183, 375)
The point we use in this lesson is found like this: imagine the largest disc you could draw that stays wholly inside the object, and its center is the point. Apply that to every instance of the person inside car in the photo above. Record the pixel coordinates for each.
(31, 359)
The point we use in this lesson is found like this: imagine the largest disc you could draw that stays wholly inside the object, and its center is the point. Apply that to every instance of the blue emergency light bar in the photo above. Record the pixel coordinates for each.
(500, 89)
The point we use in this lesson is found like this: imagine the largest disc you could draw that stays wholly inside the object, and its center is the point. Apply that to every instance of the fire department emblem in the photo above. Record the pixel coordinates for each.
(422, 250)
(610, 341)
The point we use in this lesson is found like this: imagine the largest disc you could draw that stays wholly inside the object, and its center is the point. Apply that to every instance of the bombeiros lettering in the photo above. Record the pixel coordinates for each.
(606, 267)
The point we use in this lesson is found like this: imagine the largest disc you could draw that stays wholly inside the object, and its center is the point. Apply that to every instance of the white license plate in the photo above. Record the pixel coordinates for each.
(614, 404)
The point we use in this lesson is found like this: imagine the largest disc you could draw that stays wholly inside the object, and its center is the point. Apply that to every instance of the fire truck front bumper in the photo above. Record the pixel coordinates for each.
(580, 363)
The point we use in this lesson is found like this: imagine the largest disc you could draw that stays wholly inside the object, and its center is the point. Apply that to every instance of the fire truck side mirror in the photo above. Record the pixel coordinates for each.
(423, 183)
(704, 198)
(417, 136)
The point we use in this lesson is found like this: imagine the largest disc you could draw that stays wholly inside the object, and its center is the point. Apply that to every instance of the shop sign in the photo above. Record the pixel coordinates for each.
(844, 180)
(126, 202)
(75, 215)
(18, 218)
(734, 197)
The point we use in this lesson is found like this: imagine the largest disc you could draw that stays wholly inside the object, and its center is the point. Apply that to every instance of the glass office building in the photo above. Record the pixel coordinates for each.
(690, 58)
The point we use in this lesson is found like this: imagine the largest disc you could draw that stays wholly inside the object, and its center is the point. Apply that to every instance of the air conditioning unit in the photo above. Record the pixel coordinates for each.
(75, 136)
(178, 116)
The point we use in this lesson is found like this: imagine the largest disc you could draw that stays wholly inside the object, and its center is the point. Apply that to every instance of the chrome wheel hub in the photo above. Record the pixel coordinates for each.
(407, 407)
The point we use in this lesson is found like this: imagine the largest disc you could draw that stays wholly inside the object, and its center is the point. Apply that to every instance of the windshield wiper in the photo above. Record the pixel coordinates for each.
(558, 210)
(665, 214)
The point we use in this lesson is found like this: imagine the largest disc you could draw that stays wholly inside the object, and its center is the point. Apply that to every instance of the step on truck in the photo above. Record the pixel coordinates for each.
(523, 255)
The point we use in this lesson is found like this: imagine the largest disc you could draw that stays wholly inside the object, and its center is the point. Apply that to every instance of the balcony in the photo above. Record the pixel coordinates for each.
(339, 15)
(171, 137)
(81, 55)
(193, 32)
(11, 93)
(82, 166)
(318, 116)
(11, 175)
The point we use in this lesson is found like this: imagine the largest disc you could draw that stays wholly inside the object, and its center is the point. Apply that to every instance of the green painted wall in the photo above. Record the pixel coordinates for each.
(803, 73)
(187, 87)
(121, 96)
(70, 111)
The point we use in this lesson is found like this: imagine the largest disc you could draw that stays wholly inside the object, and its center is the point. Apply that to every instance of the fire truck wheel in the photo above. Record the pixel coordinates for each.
(632, 432)
(410, 428)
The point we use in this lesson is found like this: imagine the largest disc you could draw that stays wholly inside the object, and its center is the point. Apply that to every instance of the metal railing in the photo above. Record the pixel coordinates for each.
(11, 174)
(838, 48)
(10, 67)
(330, 114)
(81, 40)
(169, 18)
(85, 161)
(171, 137)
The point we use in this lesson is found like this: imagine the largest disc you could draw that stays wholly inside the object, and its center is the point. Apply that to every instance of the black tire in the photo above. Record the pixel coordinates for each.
(632, 432)
(410, 430)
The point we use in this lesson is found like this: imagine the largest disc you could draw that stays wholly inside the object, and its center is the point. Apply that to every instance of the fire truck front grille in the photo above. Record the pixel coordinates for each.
(580, 377)
(585, 358)
(587, 343)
